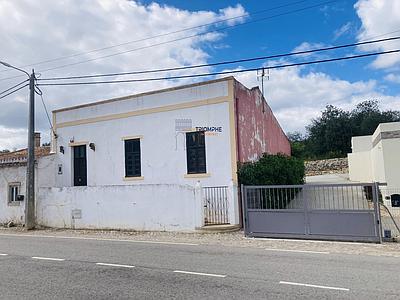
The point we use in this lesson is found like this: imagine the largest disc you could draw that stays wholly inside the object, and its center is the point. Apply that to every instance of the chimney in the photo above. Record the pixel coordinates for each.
(37, 139)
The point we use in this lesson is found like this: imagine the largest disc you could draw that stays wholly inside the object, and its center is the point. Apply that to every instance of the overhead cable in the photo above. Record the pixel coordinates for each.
(223, 72)
(12, 92)
(223, 62)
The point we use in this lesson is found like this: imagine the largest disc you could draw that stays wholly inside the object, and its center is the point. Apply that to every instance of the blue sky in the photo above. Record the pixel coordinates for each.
(296, 95)
(320, 25)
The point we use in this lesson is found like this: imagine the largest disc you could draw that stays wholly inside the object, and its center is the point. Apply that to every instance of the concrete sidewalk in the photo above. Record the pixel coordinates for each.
(234, 239)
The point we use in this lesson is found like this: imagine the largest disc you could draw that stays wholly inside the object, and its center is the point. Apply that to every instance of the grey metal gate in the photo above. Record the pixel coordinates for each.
(331, 212)
(215, 202)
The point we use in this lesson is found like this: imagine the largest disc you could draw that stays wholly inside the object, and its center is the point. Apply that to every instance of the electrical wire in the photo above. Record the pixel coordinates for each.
(40, 93)
(5, 91)
(12, 92)
(223, 72)
(223, 62)
(180, 39)
(163, 34)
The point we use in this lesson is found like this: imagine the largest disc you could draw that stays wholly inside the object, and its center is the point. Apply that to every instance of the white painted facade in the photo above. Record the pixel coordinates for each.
(16, 174)
(152, 119)
(376, 158)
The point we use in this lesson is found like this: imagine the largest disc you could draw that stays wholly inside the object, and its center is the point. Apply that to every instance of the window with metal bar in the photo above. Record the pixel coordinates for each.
(132, 158)
(13, 192)
(196, 152)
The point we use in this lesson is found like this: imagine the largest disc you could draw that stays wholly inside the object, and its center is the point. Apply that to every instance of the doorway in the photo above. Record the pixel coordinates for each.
(80, 169)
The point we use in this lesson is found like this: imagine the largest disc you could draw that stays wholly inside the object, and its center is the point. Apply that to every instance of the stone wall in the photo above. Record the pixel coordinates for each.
(326, 166)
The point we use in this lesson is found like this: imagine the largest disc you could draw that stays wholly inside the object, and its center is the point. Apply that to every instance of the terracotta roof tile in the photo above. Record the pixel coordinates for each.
(19, 157)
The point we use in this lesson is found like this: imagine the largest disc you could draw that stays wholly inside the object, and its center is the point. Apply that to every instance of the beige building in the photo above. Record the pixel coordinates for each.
(377, 157)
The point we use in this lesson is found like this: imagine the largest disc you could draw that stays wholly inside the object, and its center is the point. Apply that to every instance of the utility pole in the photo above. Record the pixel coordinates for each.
(30, 218)
(30, 215)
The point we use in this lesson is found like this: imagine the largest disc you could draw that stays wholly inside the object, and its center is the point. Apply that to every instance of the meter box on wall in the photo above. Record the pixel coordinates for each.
(395, 200)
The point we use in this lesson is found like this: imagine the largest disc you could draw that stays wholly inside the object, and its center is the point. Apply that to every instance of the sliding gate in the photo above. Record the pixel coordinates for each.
(330, 212)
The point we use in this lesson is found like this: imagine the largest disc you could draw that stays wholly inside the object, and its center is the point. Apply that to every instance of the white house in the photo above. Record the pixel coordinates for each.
(162, 160)
(13, 179)
(375, 158)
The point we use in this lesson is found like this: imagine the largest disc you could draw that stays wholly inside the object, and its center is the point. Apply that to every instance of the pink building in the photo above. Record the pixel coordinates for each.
(257, 129)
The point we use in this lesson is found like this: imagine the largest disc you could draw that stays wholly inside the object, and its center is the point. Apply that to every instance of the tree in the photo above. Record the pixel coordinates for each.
(367, 116)
(298, 144)
(330, 134)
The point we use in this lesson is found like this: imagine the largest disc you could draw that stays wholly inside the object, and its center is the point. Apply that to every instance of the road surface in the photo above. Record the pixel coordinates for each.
(46, 267)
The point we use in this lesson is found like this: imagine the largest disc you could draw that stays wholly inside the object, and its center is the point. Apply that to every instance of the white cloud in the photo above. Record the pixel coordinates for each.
(233, 13)
(10, 138)
(342, 30)
(380, 17)
(393, 78)
(306, 46)
(33, 31)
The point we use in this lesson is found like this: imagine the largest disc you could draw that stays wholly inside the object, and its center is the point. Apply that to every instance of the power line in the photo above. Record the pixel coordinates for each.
(12, 92)
(223, 72)
(180, 39)
(40, 93)
(5, 91)
(223, 62)
(378, 36)
(162, 35)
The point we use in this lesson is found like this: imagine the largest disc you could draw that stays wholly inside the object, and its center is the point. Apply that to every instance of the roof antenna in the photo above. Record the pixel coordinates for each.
(262, 74)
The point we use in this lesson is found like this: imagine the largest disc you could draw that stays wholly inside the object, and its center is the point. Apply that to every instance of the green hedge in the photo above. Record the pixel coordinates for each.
(272, 170)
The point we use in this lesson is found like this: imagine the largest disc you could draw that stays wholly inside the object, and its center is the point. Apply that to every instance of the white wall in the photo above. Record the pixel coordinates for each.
(360, 167)
(137, 207)
(378, 163)
(361, 143)
(391, 153)
(11, 212)
(382, 162)
(15, 212)
(146, 101)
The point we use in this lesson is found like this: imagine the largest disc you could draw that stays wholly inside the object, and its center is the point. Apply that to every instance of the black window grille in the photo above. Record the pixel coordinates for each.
(132, 158)
(13, 191)
(196, 152)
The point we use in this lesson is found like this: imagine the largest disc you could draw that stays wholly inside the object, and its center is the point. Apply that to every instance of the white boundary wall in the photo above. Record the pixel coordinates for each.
(135, 207)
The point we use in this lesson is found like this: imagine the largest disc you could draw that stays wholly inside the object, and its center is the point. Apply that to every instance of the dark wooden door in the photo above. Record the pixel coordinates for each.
(80, 171)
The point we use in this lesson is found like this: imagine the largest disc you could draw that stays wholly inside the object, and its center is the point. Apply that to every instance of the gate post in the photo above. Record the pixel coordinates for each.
(198, 206)
(377, 210)
(233, 209)
(244, 208)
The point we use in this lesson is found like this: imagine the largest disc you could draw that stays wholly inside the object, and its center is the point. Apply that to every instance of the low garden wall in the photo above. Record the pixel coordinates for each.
(326, 166)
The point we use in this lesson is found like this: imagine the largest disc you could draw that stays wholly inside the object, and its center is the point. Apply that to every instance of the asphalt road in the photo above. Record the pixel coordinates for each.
(34, 267)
